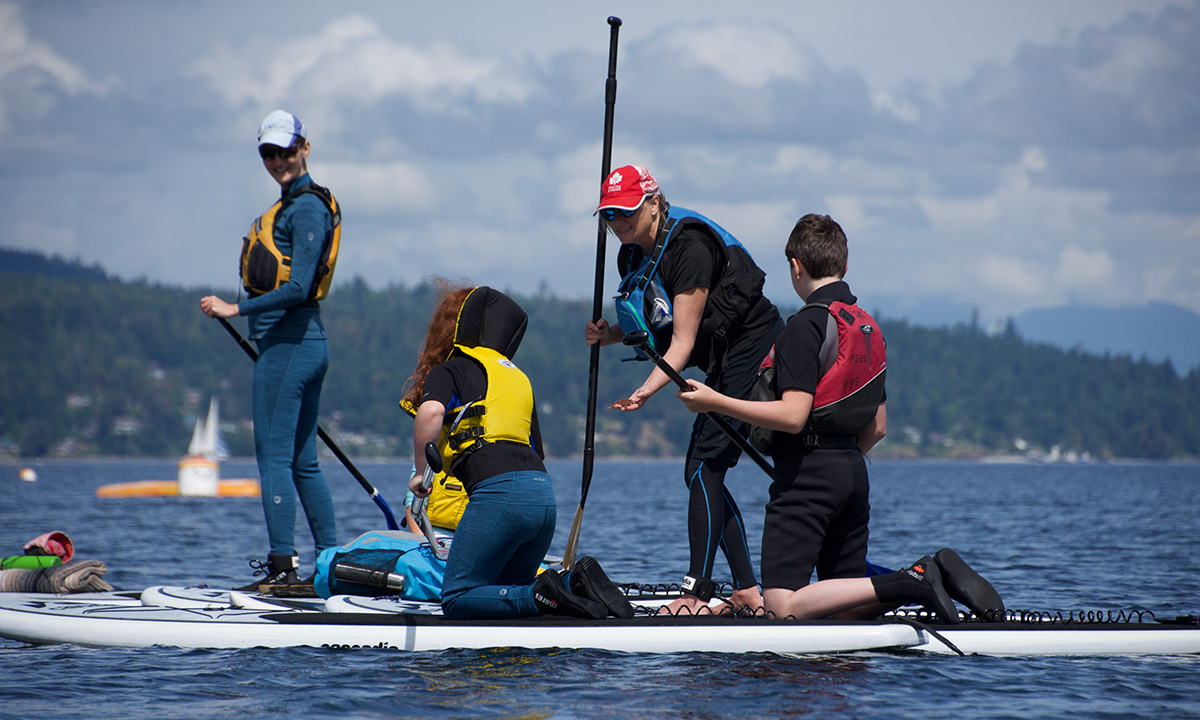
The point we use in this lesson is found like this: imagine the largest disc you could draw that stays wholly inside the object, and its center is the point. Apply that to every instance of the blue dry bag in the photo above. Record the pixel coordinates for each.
(384, 553)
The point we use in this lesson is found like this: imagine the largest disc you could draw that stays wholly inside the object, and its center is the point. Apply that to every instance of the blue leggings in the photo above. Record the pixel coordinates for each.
(287, 391)
(498, 546)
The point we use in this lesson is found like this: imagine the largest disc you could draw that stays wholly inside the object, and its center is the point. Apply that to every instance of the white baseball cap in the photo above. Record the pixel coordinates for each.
(280, 128)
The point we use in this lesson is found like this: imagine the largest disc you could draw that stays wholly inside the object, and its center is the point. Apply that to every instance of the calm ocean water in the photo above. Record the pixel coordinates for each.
(1050, 537)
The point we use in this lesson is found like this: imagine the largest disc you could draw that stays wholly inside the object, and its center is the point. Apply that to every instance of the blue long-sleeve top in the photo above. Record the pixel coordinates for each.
(300, 231)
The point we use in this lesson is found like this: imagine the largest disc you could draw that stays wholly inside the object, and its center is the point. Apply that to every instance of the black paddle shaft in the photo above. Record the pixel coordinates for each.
(640, 339)
(610, 100)
(337, 451)
(589, 433)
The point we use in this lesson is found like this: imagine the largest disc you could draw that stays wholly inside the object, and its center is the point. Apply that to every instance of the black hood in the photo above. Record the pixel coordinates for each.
(491, 319)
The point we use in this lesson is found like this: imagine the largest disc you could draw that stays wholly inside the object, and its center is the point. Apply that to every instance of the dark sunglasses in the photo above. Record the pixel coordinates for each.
(610, 214)
(270, 152)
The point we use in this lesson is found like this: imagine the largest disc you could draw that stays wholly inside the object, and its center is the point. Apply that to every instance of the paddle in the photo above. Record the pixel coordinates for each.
(640, 339)
(433, 466)
(387, 511)
(589, 436)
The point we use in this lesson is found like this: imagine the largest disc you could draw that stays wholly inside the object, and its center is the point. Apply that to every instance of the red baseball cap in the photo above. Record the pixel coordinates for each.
(626, 188)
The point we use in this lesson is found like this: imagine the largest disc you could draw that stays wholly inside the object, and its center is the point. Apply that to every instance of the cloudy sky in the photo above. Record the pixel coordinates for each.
(1004, 156)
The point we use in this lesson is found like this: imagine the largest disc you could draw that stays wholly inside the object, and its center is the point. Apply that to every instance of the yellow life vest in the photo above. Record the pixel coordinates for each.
(264, 268)
(447, 496)
(446, 502)
(504, 413)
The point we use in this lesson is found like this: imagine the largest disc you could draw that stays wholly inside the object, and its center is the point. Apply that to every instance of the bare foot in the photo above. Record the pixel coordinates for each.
(746, 600)
(686, 605)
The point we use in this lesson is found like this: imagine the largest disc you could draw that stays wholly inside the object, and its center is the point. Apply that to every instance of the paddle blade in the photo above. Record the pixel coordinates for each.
(387, 511)
(573, 540)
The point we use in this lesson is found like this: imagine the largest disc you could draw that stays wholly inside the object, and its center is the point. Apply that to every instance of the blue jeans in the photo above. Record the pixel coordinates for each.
(498, 546)
(287, 391)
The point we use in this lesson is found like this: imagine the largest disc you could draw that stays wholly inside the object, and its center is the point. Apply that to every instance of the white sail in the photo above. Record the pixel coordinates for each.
(199, 473)
(196, 446)
(206, 437)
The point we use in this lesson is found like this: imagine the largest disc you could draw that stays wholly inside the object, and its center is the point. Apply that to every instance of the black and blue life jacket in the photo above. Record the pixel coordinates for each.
(643, 303)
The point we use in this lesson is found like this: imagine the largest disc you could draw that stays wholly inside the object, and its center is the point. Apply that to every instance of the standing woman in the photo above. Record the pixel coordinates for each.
(697, 291)
(286, 265)
(468, 397)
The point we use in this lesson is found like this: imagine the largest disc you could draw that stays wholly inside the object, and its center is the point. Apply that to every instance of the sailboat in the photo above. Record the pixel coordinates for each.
(199, 472)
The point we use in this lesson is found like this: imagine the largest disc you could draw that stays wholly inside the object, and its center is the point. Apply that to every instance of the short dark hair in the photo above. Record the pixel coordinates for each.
(818, 242)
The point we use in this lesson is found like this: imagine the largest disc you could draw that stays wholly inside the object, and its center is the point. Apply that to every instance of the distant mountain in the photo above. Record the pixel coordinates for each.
(1157, 331)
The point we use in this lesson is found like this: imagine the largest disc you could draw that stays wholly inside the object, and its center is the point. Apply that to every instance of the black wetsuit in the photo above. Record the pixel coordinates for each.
(819, 506)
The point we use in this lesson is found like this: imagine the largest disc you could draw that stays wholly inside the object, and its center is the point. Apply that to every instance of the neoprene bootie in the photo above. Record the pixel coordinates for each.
(920, 583)
(588, 579)
(279, 570)
(969, 587)
(551, 596)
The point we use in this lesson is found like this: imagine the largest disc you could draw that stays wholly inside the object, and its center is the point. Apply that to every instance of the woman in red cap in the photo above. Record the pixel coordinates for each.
(697, 291)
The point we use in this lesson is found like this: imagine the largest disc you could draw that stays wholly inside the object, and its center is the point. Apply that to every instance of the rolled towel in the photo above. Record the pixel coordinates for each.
(73, 577)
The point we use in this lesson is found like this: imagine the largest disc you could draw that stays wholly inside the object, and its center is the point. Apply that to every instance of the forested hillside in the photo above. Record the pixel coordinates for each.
(95, 366)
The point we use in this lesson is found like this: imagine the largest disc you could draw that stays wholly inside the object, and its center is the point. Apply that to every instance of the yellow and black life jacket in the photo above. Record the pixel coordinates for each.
(503, 414)
(264, 268)
(446, 502)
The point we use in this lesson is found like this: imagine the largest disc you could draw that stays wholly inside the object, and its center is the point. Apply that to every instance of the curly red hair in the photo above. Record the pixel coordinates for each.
(439, 337)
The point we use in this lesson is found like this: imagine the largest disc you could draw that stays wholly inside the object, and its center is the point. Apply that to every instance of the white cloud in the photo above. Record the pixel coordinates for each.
(1019, 209)
(19, 52)
(791, 158)
(897, 106)
(957, 214)
(1009, 276)
(1082, 270)
(32, 74)
(579, 179)
(762, 227)
(387, 188)
(749, 55)
(352, 60)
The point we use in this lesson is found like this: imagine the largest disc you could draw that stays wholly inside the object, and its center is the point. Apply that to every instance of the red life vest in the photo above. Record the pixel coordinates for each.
(853, 365)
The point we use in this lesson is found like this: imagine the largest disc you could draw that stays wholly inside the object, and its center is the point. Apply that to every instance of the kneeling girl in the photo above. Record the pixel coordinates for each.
(469, 398)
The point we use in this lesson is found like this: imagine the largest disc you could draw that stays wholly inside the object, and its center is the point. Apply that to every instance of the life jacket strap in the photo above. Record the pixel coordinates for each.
(469, 434)
(828, 441)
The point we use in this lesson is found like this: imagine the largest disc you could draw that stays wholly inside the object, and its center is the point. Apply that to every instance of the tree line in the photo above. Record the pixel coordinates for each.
(92, 365)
